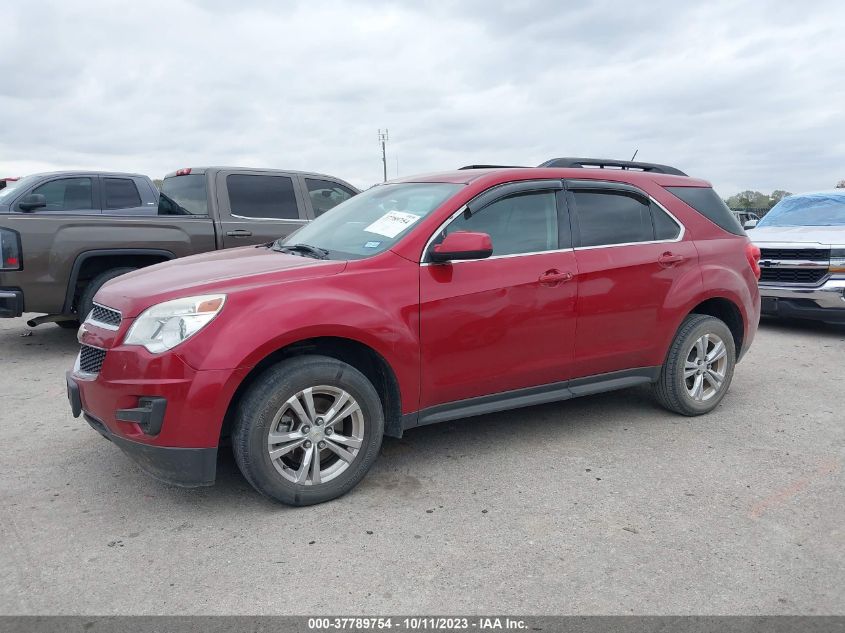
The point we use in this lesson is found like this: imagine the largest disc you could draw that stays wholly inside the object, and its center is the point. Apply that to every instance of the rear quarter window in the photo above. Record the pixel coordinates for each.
(708, 203)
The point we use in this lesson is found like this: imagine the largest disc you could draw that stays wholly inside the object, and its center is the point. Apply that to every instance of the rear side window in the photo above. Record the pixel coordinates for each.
(710, 205)
(183, 195)
(665, 228)
(326, 194)
(266, 197)
(67, 194)
(121, 193)
(612, 217)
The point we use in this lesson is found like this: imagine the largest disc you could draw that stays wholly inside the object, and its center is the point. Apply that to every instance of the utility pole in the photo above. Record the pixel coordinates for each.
(383, 138)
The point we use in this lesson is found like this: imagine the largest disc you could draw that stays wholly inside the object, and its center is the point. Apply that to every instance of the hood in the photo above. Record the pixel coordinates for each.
(823, 235)
(224, 271)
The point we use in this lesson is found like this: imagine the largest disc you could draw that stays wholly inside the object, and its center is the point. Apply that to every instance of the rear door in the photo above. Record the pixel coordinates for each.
(630, 253)
(256, 207)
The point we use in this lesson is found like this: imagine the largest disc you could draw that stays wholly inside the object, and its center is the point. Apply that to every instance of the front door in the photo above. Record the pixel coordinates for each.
(493, 325)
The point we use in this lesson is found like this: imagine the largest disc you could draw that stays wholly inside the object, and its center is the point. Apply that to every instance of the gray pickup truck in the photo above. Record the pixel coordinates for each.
(802, 256)
(65, 234)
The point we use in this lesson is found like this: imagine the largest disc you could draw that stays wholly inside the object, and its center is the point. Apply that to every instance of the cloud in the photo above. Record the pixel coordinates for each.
(747, 95)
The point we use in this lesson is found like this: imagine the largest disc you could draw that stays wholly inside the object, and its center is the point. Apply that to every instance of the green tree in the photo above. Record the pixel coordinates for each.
(158, 183)
(840, 184)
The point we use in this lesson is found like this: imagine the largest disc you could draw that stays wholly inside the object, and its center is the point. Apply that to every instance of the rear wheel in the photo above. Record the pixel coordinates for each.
(86, 300)
(308, 430)
(698, 368)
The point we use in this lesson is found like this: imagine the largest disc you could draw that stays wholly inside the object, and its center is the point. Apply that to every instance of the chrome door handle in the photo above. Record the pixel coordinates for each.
(239, 233)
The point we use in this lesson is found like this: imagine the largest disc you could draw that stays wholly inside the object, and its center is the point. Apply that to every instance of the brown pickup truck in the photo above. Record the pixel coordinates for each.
(65, 234)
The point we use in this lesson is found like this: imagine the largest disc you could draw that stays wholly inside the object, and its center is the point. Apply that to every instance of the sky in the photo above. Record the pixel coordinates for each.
(748, 95)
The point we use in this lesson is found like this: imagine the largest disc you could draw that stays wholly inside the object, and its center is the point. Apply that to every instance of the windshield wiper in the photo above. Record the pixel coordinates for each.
(304, 249)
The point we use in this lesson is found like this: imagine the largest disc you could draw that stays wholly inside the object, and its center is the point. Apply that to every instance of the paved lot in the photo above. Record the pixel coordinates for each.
(601, 505)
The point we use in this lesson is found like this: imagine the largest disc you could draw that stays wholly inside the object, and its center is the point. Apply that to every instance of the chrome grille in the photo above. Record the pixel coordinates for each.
(106, 316)
(812, 254)
(91, 359)
(793, 275)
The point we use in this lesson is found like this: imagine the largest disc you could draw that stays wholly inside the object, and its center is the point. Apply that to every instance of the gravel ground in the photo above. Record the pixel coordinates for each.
(605, 504)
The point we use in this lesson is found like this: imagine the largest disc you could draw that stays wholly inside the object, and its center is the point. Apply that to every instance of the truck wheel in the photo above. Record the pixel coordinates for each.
(698, 368)
(86, 300)
(307, 430)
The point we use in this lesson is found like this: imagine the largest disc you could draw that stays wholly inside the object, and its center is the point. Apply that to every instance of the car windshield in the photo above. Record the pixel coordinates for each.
(11, 188)
(817, 209)
(372, 221)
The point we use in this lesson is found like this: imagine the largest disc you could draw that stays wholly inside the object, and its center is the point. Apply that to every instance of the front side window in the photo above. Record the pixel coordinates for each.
(67, 194)
(521, 223)
(326, 195)
(372, 221)
(120, 193)
(612, 217)
(262, 197)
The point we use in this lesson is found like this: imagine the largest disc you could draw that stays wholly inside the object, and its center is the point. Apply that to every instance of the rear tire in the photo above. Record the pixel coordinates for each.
(86, 300)
(698, 368)
(307, 430)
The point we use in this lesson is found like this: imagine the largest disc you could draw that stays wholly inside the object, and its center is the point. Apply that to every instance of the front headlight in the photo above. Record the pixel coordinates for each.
(167, 324)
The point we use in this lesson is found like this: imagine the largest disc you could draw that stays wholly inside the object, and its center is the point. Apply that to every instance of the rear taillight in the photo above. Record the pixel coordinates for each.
(186, 171)
(752, 252)
(10, 250)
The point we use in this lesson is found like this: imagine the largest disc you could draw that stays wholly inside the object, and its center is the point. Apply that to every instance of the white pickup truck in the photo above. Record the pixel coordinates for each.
(802, 256)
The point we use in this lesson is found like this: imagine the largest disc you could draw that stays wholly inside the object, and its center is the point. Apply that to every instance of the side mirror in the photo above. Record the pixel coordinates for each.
(462, 245)
(750, 224)
(32, 201)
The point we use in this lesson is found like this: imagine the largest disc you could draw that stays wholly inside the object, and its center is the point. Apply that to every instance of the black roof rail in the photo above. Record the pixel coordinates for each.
(493, 167)
(602, 163)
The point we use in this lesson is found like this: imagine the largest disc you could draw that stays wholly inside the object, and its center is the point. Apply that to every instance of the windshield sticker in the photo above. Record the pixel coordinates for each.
(372, 244)
(392, 223)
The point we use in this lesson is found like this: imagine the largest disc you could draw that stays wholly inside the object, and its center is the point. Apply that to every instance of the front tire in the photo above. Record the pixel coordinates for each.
(307, 430)
(698, 368)
(86, 299)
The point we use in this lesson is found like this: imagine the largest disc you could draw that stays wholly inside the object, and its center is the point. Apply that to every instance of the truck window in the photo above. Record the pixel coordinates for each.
(67, 194)
(262, 197)
(183, 195)
(121, 193)
(326, 194)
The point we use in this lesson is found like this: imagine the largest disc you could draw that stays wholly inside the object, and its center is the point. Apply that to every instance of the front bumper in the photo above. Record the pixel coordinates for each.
(11, 303)
(825, 302)
(162, 413)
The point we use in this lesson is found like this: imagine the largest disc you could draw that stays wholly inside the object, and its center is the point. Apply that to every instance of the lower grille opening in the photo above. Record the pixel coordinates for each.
(91, 359)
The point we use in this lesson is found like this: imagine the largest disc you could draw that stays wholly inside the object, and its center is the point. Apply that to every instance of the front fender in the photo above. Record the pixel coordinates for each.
(262, 320)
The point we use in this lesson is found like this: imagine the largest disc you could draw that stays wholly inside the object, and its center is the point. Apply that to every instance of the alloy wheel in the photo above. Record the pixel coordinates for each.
(316, 435)
(705, 367)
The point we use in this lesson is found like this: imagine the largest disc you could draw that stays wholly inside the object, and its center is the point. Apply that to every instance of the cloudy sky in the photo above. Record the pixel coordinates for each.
(748, 95)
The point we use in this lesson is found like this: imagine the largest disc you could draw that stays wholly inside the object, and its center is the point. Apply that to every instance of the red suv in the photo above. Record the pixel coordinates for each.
(425, 299)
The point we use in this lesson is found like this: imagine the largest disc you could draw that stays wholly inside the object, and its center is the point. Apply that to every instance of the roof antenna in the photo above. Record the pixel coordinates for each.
(635, 154)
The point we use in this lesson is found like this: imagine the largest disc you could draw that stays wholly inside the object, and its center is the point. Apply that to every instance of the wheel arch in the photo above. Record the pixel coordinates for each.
(89, 264)
(348, 350)
(727, 311)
